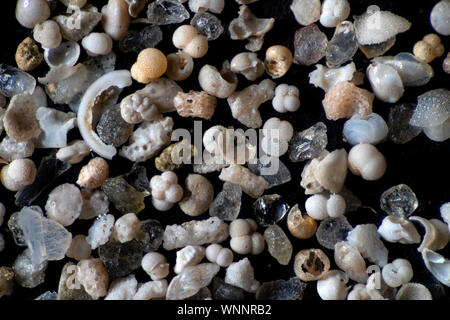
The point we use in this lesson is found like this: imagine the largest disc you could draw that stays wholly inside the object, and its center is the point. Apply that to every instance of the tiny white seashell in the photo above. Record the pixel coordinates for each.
(438, 133)
(397, 273)
(334, 12)
(436, 234)
(386, 82)
(413, 291)
(438, 265)
(67, 53)
(397, 229)
(325, 78)
(120, 79)
(371, 129)
(332, 285)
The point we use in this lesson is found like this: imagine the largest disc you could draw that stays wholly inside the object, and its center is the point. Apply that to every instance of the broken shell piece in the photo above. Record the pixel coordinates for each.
(244, 104)
(195, 233)
(127, 228)
(375, 26)
(93, 276)
(87, 19)
(160, 92)
(250, 183)
(386, 82)
(301, 225)
(120, 79)
(74, 153)
(345, 99)
(371, 129)
(27, 55)
(188, 256)
(100, 231)
(137, 107)
(366, 239)
(311, 264)
(278, 61)
(436, 235)
(247, 64)
(67, 54)
(247, 26)
(148, 139)
(20, 117)
(219, 84)
(179, 66)
(397, 229)
(151, 290)
(54, 126)
(326, 78)
(116, 19)
(397, 273)
(215, 6)
(413, 291)
(65, 83)
(198, 195)
(445, 213)
(309, 181)
(47, 34)
(135, 7)
(188, 39)
(349, 259)
(331, 171)
(438, 265)
(332, 286)
(366, 161)
(306, 11)
(429, 48)
(241, 274)
(195, 104)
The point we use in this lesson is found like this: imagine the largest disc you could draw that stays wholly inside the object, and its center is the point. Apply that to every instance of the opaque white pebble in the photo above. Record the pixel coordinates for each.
(334, 12)
(97, 43)
(155, 265)
(332, 286)
(31, 12)
(336, 206)
(366, 161)
(316, 207)
(440, 17)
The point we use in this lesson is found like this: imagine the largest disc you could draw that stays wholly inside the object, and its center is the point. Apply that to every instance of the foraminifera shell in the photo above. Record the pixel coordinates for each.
(371, 129)
(438, 265)
(67, 53)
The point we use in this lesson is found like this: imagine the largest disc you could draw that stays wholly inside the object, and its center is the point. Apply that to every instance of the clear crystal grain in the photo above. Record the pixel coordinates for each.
(162, 12)
(227, 204)
(309, 143)
(278, 244)
(332, 231)
(399, 200)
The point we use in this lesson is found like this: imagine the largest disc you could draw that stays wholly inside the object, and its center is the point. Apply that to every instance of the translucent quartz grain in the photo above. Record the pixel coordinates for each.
(15, 81)
(162, 12)
(27, 273)
(310, 45)
(309, 143)
(399, 201)
(400, 131)
(343, 46)
(138, 40)
(208, 25)
(152, 234)
(124, 197)
(278, 244)
(266, 166)
(332, 231)
(225, 291)
(270, 209)
(292, 289)
(138, 179)
(227, 204)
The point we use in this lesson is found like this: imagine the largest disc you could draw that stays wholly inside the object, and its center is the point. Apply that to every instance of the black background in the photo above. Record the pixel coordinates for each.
(422, 164)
